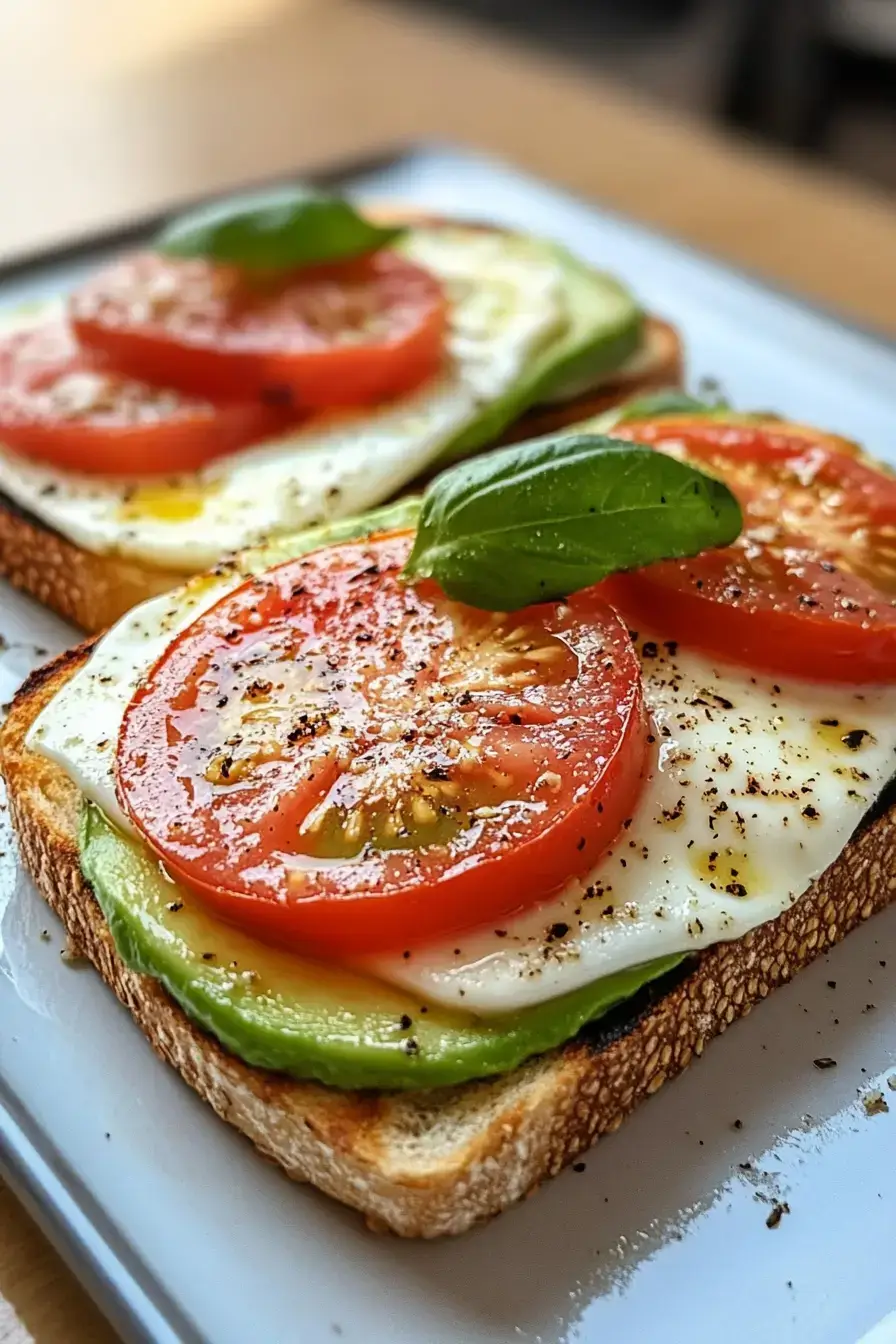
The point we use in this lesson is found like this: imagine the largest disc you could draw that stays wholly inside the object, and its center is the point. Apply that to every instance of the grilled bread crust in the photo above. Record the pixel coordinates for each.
(431, 1163)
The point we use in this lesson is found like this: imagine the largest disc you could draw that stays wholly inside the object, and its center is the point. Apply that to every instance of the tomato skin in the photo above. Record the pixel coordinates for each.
(775, 467)
(738, 435)
(808, 590)
(60, 406)
(784, 619)
(509, 787)
(351, 334)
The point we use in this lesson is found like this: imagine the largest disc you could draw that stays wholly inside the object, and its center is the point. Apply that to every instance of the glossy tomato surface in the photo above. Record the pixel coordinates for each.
(59, 405)
(349, 334)
(809, 589)
(336, 759)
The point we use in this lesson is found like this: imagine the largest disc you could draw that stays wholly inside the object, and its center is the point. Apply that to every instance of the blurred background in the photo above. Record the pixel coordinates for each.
(815, 76)
(744, 125)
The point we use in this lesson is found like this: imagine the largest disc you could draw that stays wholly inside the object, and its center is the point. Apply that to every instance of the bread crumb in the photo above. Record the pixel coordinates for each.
(875, 1103)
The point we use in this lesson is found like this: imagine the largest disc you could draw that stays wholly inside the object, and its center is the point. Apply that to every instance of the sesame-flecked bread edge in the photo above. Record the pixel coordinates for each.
(89, 589)
(93, 590)
(431, 1163)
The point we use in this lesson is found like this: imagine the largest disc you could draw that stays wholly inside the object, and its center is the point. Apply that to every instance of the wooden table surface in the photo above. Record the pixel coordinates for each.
(109, 109)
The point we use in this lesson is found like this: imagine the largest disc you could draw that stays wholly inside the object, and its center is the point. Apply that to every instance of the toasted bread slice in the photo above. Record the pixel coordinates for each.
(90, 589)
(93, 589)
(431, 1163)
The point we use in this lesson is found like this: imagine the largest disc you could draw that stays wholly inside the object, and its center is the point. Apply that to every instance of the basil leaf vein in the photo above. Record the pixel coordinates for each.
(274, 230)
(539, 520)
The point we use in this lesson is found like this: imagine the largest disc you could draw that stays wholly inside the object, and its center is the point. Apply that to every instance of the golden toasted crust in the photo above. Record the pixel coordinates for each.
(90, 590)
(432, 1163)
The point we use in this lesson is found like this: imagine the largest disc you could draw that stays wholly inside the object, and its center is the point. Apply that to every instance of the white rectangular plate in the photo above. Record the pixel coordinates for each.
(183, 1233)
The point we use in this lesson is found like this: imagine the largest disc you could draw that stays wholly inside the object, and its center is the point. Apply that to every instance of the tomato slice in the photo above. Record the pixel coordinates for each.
(335, 759)
(810, 587)
(58, 405)
(348, 334)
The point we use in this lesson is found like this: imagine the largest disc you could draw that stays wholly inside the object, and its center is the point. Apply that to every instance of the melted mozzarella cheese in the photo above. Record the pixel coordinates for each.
(755, 789)
(506, 303)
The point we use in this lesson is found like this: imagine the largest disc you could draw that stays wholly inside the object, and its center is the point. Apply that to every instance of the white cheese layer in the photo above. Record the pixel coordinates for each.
(79, 728)
(755, 788)
(506, 303)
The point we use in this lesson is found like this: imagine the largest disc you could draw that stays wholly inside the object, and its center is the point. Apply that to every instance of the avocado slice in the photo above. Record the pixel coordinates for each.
(604, 326)
(281, 1011)
(399, 516)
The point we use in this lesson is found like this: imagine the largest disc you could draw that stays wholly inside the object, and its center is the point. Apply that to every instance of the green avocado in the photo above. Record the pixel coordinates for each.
(604, 327)
(280, 1011)
(399, 516)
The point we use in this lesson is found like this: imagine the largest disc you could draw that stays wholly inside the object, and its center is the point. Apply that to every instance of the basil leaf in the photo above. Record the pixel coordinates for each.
(275, 230)
(540, 520)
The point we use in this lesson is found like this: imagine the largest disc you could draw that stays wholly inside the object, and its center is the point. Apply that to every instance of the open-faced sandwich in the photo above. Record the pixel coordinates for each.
(278, 362)
(427, 846)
